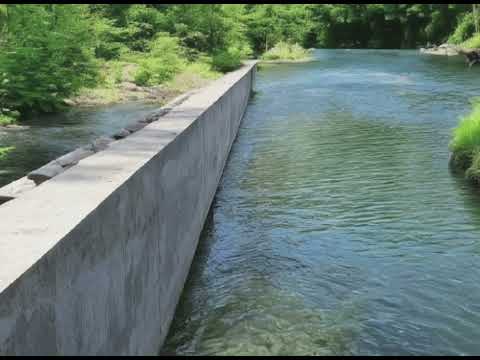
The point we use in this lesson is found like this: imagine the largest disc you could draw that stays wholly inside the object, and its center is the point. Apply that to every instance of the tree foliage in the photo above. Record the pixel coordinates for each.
(45, 56)
(49, 51)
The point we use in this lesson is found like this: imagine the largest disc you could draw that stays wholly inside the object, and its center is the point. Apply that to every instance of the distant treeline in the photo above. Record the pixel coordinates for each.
(49, 51)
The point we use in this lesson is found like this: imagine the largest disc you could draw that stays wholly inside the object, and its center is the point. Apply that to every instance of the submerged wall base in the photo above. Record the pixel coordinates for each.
(93, 261)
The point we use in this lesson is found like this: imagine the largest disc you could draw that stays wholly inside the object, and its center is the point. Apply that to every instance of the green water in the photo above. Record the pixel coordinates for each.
(44, 138)
(337, 227)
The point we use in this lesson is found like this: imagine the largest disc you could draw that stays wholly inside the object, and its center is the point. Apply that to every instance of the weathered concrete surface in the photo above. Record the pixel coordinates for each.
(15, 188)
(93, 261)
(73, 157)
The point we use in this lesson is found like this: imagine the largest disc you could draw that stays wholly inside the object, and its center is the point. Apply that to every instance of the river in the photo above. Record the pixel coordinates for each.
(337, 227)
(43, 138)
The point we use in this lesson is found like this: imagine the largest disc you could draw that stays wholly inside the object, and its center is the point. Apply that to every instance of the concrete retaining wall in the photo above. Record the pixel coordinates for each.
(93, 261)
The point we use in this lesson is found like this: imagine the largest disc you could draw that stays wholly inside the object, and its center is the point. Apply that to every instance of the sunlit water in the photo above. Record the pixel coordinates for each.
(44, 138)
(337, 227)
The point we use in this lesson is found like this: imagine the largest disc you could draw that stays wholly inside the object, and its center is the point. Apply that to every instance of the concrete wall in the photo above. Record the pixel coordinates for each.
(93, 261)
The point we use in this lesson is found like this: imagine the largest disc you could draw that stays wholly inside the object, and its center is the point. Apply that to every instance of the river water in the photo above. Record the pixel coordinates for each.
(46, 137)
(337, 227)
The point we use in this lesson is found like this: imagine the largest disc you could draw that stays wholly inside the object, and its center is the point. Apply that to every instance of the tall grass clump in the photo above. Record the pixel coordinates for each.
(286, 51)
(465, 144)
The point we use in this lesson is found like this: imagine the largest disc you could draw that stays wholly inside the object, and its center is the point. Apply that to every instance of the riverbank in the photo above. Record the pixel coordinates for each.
(118, 85)
(452, 49)
(443, 50)
(465, 145)
(284, 53)
(286, 61)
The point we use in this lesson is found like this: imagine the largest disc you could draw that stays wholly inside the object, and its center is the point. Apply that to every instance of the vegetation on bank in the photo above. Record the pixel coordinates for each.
(465, 145)
(7, 119)
(467, 32)
(284, 51)
(53, 52)
(471, 43)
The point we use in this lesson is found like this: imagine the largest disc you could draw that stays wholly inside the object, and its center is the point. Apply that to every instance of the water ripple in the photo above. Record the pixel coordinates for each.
(337, 228)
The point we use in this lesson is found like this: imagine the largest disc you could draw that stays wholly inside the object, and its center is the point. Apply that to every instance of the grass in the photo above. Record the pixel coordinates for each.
(465, 144)
(286, 52)
(472, 43)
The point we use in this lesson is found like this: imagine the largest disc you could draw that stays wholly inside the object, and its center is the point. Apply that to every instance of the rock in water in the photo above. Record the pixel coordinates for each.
(72, 158)
(101, 143)
(46, 172)
(123, 133)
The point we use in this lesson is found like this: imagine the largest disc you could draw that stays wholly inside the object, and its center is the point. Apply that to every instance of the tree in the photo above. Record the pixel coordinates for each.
(46, 56)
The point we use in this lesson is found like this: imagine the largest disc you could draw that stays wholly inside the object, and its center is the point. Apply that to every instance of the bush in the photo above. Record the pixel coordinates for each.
(46, 57)
(286, 51)
(465, 29)
(227, 60)
(143, 76)
(466, 144)
(6, 120)
(161, 63)
(472, 43)
(466, 137)
(143, 22)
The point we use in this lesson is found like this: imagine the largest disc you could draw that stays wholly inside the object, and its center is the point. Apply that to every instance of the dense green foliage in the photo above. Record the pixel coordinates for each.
(46, 55)
(50, 51)
(465, 29)
(161, 62)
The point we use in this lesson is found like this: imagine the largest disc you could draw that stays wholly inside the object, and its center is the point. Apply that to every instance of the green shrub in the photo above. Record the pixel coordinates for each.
(46, 56)
(161, 63)
(466, 137)
(6, 120)
(464, 30)
(143, 76)
(227, 60)
(286, 51)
